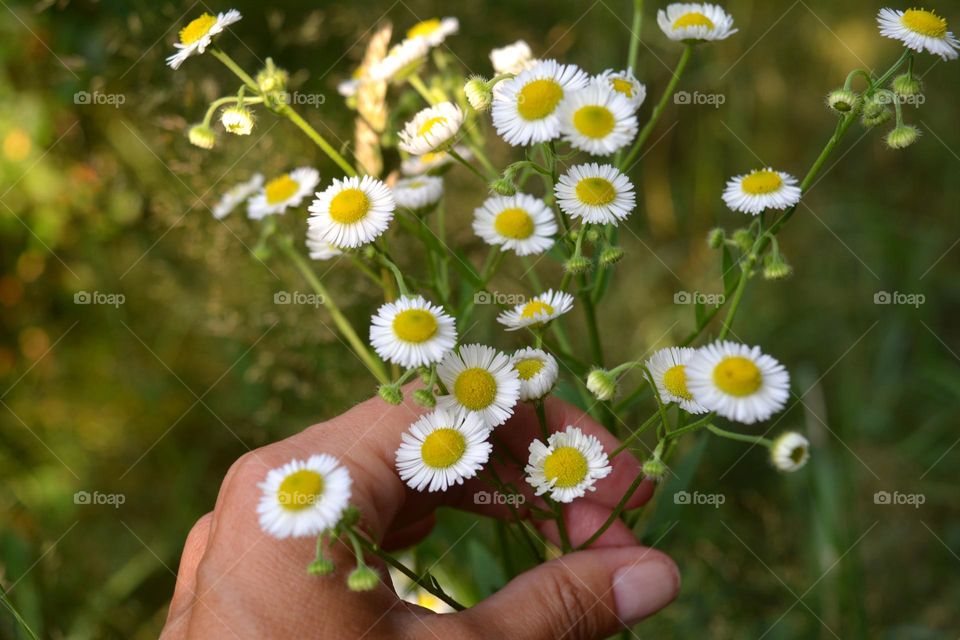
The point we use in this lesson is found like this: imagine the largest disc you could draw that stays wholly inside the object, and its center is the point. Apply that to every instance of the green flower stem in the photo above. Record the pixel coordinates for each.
(745, 267)
(635, 28)
(235, 68)
(634, 435)
(482, 157)
(542, 418)
(394, 269)
(613, 514)
(346, 329)
(565, 545)
(694, 426)
(534, 548)
(417, 83)
(658, 110)
(459, 158)
(216, 104)
(741, 437)
(593, 331)
(16, 615)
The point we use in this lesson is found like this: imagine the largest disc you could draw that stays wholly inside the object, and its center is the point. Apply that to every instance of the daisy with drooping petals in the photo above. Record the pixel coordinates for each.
(525, 107)
(197, 36)
(442, 449)
(762, 189)
(412, 332)
(920, 30)
(237, 194)
(520, 223)
(320, 249)
(432, 129)
(790, 451)
(738, 382)
(352, 212)
(685, 22)
(668, 369)
(538, 373)
(624, 83)
(418, 193)
(512, 58)
(567, 466)
(597, 120)
(537, 311)
(402, 60)
(418, 165)
(284, 191)
(304, 497)
(434, 31)
(597, 193)
(481, 381)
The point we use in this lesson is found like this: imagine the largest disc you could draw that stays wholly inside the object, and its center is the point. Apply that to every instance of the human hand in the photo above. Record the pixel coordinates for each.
(235, 581)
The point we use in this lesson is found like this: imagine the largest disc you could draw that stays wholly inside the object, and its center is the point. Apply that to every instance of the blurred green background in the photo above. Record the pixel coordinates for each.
(153, 399)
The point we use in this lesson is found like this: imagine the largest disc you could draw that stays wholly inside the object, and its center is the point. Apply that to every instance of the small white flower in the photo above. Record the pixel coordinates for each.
(597, 120)
(738, 382)
(567, 466)
(352, 212)
(348, 88)
(919, 30)
(282, 192)
(400, 61)
(418, 193)
(197, 36)
(525, 107)
(435, 30)
(304, 497)
(537, 311)
(237, 120)
(430, 162)
(668, 368)
(790, 451)
(443, 449)
(597, 193)
(512, 58)
(432, 129)
(761, 189)
(319, 248)
(237, 194)
(520, 223)
(538, 373)
(480, 381)
(626, 84)
(692, 22)
(411, 332)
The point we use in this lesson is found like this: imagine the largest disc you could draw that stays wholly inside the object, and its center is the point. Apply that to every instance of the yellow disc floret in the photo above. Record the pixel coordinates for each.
(539, 98)
(926, 23)
(475, 388)
(737, 376)
(536, 308)
(762, 182)
(675, 380)
(424, 28)
(514, 223)
(692, 19)
(443, 448)
(567, 466)
(300, 490)
(622, 86)
(594, 121)
(596, 192)
(197, 29)
(429, 124)
(529, 367)
(415, 325)
(349, 206)
(281, 189)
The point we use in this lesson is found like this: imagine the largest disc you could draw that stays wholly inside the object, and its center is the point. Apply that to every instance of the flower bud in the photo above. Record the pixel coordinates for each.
(237, 120)
(578, 264)
(390, 393)
(775, 267)
(271, 78)
(906, 86)
(602, 384)
(592, 236)
(424, 398)
(716, 237)
(478, 93)
(789, 451)
(843, 100)
(654, 469)
(320, 567)
(363, 578)
(902, 136)
(503, 186)
(744, 239)
(876, 111)
(202, 136)
(611, 256)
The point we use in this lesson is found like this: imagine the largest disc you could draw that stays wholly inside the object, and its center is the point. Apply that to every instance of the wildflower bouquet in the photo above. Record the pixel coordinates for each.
(562, 201)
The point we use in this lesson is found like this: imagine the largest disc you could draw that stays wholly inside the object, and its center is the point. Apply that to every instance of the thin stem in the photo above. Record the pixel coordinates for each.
(318, 139)
(565, 545)
(741, 437)
(634, 435)
(16, 614)
(542, 418)
(635, 28)
(676, 433)
(745, 268)
(417, 83)
(235, 68)
(459, 158)
(613, 514)
(219, 102)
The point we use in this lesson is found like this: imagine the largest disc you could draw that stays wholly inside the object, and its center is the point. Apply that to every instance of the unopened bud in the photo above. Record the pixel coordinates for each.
(716, 237)
(424, 398)
(577, 265)
(843, 100)
(202, 136)
(363, 578)
(478, 93)
(390, 393)
(602, 384)
(902, 136)
(611, 256)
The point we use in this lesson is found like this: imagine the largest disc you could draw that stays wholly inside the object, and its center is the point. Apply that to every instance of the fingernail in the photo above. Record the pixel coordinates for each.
(644, 588)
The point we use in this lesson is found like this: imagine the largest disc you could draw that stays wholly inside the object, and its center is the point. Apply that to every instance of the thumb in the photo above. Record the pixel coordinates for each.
(581, 596)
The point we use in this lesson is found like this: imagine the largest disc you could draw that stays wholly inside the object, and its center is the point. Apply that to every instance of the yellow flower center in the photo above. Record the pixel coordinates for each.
(281, 189)
(737, 376)
(924, 22)
(514, 223)
(596, 192)
(349, 206)
(529, 367)
(762, 182)
(300, 490)
(536, 308)
(623, 86)
(424, 28)
(692, 19)
(475, 388)
(433, 156)
(567, 466)
(593, 121)
(538, 99)
(415, 325)
(197, 29)
(675, 380)
(797, 454)
(430, 124)
(443, 448)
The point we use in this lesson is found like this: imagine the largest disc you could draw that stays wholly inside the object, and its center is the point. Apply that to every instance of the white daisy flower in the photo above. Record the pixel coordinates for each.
(412, 332)
(668, 368)
(919, 30)
(237, 194)
(197, 36)
(597, 120)
(435, 30)
(691, 22)
(400, 61)
(319, 248)
(567, 466)
(626, 84)
(480, 381)
(432, 129)
(442, 449)
(525, 107)
(418, 165)
(537, 311)
(790, 451)
(512, 58)
(597, 193)
(418, 193)
(304, 497)
(520, 223)
(538, 372)
(352, 212)
(284, 191)
(761, 189)
(738, 382)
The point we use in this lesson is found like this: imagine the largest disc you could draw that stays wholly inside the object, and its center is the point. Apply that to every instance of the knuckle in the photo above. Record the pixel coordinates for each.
(573, 608)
